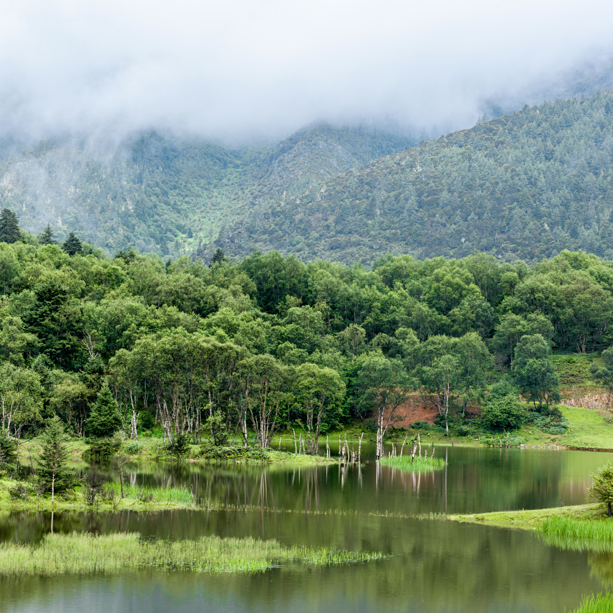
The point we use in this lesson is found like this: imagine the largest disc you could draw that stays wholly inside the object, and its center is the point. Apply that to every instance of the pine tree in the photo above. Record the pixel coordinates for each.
(72, 245)
(53, 473)
(47, 236)
(219, 257)
(9, 227)
(104, 420)
(8, 453)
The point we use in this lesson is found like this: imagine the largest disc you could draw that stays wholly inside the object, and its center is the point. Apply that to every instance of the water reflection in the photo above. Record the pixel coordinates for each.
(436, 565)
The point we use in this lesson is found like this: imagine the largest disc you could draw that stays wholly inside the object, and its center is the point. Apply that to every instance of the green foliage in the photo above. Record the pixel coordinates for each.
(72, 245)
(534, 370)
(101, 449)
(601, 489)
(178, 446)
(52, 472)
(104, 420)
(47, 236)
(599, 603)
(504, 412)
(525, 185)
(9, 227)
(8, 453)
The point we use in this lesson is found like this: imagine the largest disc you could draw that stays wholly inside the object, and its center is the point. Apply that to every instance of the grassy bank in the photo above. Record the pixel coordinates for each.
(417, 465)
(84, 554)
(533, 519)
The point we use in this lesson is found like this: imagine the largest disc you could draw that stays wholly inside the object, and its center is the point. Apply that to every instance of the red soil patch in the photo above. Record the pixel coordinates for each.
(418, 408)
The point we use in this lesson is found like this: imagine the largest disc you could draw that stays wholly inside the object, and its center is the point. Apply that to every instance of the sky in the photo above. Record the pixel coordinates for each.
(249, 69)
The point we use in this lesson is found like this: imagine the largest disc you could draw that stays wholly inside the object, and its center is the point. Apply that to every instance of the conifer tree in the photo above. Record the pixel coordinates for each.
(53, 473)
(9, 227)
(47, 236)
(8, 453)
(72, 245)
(219, 257)
(104, 420)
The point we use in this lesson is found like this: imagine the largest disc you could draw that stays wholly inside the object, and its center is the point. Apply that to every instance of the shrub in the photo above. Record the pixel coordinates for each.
(178, 447)
(217, 426)
(602, 487)
(423, 425)
(93, 485)
(506, 413)
(19, 492)
(133, 448)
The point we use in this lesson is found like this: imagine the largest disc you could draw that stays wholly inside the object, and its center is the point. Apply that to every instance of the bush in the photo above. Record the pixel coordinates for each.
(93, 485)
(133, 448)
(102, 449)
(19, 492)
(178, 447)
(602, 487)
(213, 452)
(504, 413)
(550, 424)
(423, 425)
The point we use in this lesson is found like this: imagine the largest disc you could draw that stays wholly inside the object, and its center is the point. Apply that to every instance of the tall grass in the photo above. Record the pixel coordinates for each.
(569, 527)
(418, 464)
(601, 603)
(578, 534)
(84, 554)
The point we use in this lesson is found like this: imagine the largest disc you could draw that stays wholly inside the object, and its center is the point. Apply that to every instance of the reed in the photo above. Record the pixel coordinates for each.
(86, 554)
(414, 464)
(600, 603)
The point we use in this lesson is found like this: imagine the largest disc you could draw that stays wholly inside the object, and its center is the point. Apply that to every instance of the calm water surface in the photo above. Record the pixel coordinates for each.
(435, 565)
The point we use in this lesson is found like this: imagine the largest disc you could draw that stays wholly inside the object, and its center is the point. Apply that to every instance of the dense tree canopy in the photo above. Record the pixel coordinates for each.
(272, 343)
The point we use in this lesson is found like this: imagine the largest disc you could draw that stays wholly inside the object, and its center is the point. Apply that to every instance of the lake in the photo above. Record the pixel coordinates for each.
(434, 565)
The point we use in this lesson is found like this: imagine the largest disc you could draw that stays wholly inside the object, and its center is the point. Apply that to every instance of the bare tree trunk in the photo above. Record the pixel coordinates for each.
(360, 448)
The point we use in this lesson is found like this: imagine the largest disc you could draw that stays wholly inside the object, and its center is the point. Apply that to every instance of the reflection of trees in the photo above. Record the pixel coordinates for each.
(435, 566)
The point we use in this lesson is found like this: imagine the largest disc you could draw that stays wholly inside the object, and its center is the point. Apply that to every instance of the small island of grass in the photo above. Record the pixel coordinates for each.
(83, 554)
(409, 464)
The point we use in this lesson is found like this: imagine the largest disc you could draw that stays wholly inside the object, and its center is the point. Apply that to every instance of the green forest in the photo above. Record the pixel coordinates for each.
(523, 186)
(182, 349)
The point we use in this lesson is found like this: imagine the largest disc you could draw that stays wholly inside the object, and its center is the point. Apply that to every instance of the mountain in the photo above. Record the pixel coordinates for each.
(525, 185)
(159, 192)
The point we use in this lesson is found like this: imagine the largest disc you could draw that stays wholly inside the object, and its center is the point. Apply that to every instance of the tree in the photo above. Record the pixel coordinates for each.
(604, 373)
(47, 236)
(20, 398)
(503, 410)
(104, 419)
(8, 453)
(534, 370)
(72, 245)
(53, 473)
(384, 385)
(9, 227)
(442, 379)
(264, 380)
(318, 390)
(218, 257)
(602, 487)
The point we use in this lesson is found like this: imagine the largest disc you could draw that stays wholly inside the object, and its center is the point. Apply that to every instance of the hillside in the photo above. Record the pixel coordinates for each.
(161, 193)
(525, 185)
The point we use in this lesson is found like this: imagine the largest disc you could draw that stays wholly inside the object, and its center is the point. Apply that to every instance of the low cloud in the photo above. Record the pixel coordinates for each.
(241, 69)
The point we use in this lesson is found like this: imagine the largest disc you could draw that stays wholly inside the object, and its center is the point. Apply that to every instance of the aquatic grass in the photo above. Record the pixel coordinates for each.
(417, 465)
(577, 534)
(85, 554)
(570, 527)
(600, 603)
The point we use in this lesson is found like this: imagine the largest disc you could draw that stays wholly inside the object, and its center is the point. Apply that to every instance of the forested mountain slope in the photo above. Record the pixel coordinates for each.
(161, 193)
(526, 185)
